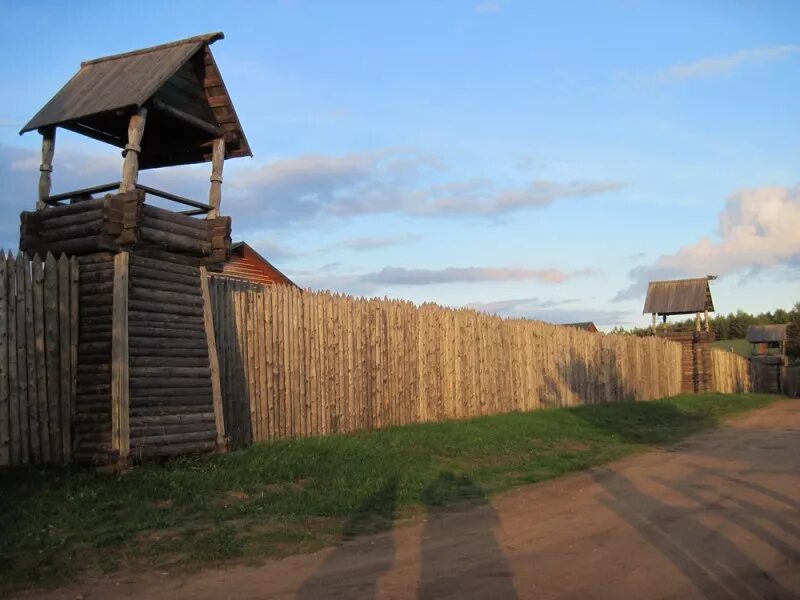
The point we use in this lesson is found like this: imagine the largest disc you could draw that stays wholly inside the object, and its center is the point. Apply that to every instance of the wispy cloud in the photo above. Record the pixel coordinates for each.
(319, 186)
(363, 244)
(552, 311)
(488, 6)
(479, 198)
(723, 64)
(758, 229)
(403, 276)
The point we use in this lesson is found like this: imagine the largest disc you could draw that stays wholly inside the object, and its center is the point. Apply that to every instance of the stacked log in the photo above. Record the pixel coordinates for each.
(171, 408)
(124, 222)
(86, 227)
(92, 420)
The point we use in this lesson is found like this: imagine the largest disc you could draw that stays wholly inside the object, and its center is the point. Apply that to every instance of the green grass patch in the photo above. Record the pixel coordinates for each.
(739, 346)
(275, 499)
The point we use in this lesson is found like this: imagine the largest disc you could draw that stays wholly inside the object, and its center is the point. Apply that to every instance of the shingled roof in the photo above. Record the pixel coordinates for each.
(98, 100)
(759, 334)
(678, 297)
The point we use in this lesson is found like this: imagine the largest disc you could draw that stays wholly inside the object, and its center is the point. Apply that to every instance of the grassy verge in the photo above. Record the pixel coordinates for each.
(294, 496)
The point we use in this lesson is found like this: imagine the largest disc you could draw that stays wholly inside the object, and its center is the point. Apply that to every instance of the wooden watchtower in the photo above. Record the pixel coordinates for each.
(686, 297)
(768, 360)
(148, 380)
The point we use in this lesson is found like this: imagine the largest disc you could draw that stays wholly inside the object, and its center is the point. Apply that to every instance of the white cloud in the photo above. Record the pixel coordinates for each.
(758, 229)
(723, 64)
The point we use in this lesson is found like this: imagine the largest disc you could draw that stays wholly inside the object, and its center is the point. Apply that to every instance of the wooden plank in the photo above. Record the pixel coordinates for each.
(35, 419)
(213, 359)
(65, 358)
(120, 411)
(22, 359)
(5, 434)
(52, 357)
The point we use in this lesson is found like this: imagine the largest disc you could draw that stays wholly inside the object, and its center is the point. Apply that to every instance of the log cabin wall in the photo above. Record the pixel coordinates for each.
(92, 420)
(161, 369)
(171, 407)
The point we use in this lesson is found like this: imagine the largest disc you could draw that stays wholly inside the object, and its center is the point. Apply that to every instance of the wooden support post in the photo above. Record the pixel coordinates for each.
(120, 413)
(46, 168)
(215, 192)
(697, 322)
(655, 322)
(130, 166)
(705, 321)
(213, 361)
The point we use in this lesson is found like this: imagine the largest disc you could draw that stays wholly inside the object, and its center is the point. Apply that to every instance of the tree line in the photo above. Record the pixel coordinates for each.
(734, 326)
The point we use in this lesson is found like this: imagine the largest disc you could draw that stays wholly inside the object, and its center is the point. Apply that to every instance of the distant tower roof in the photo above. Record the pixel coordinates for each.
(760, 334)
(179, 82)
(678, 297)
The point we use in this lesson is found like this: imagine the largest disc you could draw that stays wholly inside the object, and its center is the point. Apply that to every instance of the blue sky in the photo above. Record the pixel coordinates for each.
(532, 159)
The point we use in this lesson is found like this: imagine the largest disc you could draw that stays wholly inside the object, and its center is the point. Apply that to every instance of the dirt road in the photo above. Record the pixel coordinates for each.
(717, 516)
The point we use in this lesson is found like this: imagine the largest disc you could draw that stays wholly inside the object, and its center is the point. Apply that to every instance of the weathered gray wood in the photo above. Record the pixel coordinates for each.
(130, 165)
(120, 431)
(56, 212)
(165, 319)
(81, 230)
(41, 368)
(5, 435)
(162, 214)
(175, 242)
(167, 286)
(155, 343)
(71, 220)
(73, 337)
(159, 297)
(196, 122)
(184, 334)
(215, 190)
(213, 359)
(161, 261)
(65, 358)
(185, 352)
(177, 449)
(168, 361)
(34, 418)
(52, 358)
(46, 168)
(22, 359)
(168, 226)
(189, 372)
(161, 275)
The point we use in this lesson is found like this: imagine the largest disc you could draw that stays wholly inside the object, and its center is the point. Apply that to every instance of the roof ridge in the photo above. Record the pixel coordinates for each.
(206, 38)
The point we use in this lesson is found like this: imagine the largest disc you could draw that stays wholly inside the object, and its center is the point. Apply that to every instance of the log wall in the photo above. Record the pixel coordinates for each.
(171, 405)
(38, 353)
(299, 363)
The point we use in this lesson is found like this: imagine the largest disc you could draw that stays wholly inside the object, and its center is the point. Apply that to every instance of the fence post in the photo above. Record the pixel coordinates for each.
(213, 361)
(120, 412)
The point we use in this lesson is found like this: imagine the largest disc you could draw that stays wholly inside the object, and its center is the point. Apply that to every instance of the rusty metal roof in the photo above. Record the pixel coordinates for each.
(678, 297)
(100, 97)
(757, 334)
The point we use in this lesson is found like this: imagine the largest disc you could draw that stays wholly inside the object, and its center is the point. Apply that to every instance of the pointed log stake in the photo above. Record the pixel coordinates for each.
(215, 192)
(130, 166)
(45, 179)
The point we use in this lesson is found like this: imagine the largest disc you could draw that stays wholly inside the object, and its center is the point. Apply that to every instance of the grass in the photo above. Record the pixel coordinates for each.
(739, 346)
(293, 496)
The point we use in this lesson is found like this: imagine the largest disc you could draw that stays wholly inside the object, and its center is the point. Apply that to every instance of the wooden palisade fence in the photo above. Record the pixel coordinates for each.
(730, 372)
(299, 363)
(38, 346)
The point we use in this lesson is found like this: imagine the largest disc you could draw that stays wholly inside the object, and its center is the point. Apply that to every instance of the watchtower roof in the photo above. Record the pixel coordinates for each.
(182, 87)
(678, 297)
